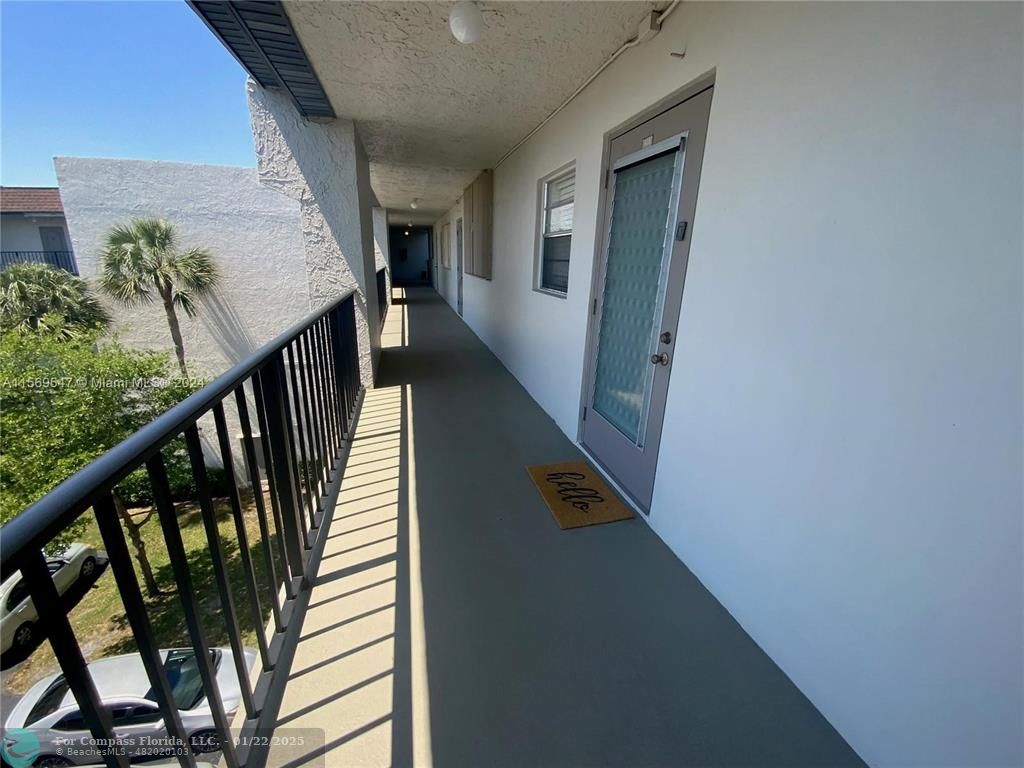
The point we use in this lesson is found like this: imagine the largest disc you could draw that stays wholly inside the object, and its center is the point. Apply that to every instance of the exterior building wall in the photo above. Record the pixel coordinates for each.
(19, 232)
(842, 452)
(323, 168)
(253, 233)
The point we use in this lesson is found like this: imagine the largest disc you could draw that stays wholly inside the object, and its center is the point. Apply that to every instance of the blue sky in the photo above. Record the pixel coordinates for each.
(143, 80)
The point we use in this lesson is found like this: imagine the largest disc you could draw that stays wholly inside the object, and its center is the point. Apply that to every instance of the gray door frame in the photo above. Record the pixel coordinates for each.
(674, 292)
(458, 260)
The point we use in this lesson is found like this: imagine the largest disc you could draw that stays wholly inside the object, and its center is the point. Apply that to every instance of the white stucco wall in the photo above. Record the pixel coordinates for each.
(253, 233)
(19, 232)
(323, 167)
(841, 462)
(447, 278)
(381, 256)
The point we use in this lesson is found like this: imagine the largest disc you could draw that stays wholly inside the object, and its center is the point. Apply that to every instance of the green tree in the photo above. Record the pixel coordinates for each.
(141, 262)
(38, 296)
(66, 401)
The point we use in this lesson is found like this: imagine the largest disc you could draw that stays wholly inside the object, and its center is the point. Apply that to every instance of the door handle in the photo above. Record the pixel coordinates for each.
(661, 359)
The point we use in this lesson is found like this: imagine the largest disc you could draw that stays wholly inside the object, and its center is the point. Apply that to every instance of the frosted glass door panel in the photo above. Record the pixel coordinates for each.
(642, 207)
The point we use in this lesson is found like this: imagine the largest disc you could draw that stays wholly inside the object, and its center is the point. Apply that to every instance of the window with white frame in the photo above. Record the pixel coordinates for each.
(557, 197)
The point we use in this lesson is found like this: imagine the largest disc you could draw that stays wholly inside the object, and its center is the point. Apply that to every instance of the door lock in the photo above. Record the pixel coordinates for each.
(661, 359)
(666, 337)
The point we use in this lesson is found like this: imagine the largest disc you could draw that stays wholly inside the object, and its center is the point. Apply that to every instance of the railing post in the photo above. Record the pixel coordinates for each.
(54, 620)
(279, 442)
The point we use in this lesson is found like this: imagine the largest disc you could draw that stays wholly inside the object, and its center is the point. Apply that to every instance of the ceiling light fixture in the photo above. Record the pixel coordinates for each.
(466, 22)
(414, 204)
(407, 233)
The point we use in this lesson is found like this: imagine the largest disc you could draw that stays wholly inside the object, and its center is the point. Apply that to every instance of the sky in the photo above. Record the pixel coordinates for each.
(142, 79)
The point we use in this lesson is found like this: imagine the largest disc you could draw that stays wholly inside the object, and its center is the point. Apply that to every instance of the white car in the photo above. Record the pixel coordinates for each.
(50, 710)
(18, 617)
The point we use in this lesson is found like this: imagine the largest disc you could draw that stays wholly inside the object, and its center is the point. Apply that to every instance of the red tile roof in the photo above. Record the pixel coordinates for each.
(30, 200)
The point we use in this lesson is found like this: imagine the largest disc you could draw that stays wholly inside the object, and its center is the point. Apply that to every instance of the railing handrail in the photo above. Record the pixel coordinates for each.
(35, 525)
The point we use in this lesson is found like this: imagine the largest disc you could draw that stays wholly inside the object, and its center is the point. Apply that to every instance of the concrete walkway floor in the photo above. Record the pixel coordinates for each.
(453, 624)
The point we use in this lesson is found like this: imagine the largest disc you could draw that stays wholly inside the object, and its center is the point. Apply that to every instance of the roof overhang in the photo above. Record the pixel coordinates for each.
(260, 36)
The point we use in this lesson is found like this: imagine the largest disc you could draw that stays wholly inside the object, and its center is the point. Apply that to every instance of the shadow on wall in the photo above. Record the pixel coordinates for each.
(226, 327)
(312, 147)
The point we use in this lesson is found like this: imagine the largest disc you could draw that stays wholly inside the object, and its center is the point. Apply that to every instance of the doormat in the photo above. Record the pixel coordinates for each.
(577, 495)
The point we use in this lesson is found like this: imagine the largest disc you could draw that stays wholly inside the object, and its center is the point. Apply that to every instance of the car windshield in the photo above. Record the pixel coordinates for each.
(184, 679)
(49, 701)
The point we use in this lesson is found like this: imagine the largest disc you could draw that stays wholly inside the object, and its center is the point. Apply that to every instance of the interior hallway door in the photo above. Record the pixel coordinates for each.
(654, 170)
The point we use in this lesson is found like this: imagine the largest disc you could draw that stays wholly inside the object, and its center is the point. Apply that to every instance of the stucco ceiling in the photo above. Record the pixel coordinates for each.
(432, 112)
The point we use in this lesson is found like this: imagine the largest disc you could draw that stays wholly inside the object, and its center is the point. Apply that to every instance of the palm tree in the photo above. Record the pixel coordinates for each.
(141, 262)
(39, 296)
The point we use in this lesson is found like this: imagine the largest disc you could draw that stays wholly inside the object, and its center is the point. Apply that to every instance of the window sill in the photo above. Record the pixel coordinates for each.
(550, 292)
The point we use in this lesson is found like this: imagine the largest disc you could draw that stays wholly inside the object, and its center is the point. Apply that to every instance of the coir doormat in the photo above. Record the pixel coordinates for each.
(577, 495)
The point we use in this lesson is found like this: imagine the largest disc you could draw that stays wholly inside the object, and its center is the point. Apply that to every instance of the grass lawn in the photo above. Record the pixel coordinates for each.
(99, 619)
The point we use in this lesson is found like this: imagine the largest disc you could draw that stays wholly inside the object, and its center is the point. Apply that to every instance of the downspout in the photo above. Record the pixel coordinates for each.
(640, 38)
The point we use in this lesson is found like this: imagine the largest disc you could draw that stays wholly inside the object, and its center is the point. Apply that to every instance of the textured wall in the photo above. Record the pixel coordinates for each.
(253, 233)
(841, 464)
(321, 167)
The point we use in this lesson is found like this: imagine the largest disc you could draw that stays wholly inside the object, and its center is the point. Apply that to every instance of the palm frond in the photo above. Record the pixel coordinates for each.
(195, 271)
(186, 301)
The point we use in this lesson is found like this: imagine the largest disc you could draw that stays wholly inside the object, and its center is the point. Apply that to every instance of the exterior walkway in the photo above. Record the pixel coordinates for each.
(452, 623)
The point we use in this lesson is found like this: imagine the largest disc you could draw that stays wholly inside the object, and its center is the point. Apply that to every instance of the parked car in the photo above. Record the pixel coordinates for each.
(18, 617)
(50, 710)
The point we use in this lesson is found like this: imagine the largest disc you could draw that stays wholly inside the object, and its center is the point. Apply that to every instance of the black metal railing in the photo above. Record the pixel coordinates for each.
(305, 389)
(382, 295)
(61, 259)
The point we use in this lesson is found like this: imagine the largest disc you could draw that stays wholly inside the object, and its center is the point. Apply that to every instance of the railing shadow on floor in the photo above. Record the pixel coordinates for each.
(355, 625)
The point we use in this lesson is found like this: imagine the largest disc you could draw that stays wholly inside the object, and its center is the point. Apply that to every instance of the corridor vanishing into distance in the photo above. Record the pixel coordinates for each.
(452, 623)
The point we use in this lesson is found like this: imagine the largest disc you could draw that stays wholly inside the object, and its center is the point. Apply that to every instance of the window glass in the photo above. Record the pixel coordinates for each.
(183, 677)
(49, 702)
(17, 596)
(137, 715)
(556, 239)
(71, 722)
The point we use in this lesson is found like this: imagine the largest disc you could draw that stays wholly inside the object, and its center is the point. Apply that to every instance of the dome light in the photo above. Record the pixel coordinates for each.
(466, 22)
